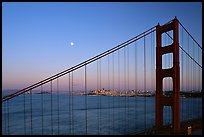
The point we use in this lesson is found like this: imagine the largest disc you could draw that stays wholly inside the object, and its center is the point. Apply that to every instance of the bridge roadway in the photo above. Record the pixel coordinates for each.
(196, 124)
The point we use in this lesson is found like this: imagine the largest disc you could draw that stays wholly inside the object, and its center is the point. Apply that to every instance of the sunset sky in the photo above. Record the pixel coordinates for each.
(45, 38)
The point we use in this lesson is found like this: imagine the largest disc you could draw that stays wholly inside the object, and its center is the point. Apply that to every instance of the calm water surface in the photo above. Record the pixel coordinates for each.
(102, 114)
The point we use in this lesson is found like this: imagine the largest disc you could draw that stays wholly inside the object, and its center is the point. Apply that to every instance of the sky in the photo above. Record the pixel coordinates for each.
(45, 38)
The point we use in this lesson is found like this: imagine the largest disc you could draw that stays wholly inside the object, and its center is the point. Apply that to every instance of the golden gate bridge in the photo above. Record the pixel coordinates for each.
(163, 62)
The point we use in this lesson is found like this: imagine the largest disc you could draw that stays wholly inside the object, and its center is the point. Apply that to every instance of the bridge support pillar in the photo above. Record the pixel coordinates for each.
(173, 72)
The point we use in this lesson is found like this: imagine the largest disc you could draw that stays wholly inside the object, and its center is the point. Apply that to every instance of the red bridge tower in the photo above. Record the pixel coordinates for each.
(173, 72)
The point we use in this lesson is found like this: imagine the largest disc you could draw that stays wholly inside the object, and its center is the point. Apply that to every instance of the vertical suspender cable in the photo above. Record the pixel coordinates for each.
(189, 81)
(109, 92)
(199, 84)
(58, 104)
(24, 101)
(119, 88)
(72, 103)
(128, 84)
(51, 107)
(31, 124)
(113, 91)
(188, 77)
(125, 85)
(186, 101)
(196, 87)
(186, 91)
(42, 107)
(98, 95)
(135, 84)
(182, 78)
(191, 89)
(85, 99)
(70, 118)
(170, 84)
(150, 123)
(193, 80)
(152, 72)
(196, 83)
(144, 85)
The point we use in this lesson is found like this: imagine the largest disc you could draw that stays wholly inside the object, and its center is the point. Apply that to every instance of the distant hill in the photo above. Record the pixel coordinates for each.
(11, 91)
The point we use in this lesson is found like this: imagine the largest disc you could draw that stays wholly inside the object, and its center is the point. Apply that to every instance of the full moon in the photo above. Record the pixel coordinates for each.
(72, 43)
